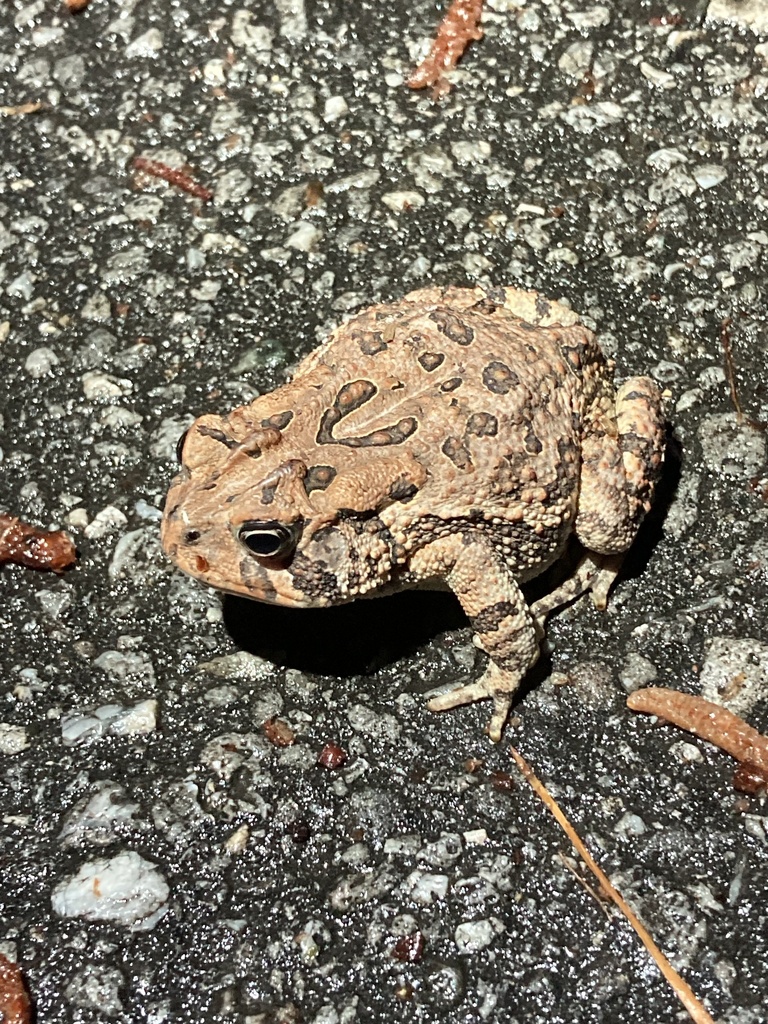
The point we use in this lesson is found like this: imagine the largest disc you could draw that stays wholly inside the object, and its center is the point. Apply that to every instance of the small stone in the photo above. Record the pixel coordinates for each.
(40, 362)
(656, 76)
(472, 936)
(100, 386)
(255, 39)
(238, 840)
(401, 201)
(96, 818)
(709, 175)
(735, 673)
(752, 14)
(305, 237)
(335, 107)
(630, 825)
(147, 45)
(97, 308)
(126, 890)
(13, 738)
(426, 888)
(732, 448)
(105, 522)
(240, 666)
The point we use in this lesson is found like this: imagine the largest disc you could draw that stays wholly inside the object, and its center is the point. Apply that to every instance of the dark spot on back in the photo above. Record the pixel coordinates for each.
(370, 343)
(431, 360)
(499, 378)
(318, 478)
(532, 443)
(451, 384)
(353, 395)
(402, 491)
(457, 453)
(452, 326)
(279, 421)
(482, 424)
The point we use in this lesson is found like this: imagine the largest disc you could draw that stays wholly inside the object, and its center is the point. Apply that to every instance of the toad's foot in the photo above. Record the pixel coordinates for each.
(495, 684)
(594, 573)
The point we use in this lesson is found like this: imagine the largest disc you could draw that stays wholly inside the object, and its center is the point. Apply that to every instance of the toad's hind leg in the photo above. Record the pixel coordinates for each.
(622, 452)
(503, 625)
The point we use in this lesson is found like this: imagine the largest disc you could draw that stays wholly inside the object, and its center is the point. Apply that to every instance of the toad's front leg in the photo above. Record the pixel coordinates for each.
(503, 624)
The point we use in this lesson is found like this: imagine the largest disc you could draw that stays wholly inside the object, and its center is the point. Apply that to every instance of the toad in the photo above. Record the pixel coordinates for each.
(456, 438)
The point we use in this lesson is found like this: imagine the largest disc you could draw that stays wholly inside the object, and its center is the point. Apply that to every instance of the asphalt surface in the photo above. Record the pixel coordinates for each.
(162, 859)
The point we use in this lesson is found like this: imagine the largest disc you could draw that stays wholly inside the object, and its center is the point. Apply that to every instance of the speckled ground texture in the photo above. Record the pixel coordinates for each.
(238, 881)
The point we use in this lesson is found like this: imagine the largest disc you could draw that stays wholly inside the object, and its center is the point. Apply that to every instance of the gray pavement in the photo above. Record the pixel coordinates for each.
(161, 859)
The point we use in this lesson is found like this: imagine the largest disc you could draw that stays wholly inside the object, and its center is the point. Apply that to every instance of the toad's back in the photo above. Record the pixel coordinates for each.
(458, 436)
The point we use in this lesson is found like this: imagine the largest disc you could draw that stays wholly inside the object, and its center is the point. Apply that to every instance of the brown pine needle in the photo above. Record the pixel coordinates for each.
(599, 900)
(681, 988)
(730, 369)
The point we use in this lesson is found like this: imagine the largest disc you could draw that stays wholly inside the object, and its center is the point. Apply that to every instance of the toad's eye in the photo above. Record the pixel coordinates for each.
(180, 445)
(269, 540)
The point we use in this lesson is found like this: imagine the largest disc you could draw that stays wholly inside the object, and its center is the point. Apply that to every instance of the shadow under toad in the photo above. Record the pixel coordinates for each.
(351, 639)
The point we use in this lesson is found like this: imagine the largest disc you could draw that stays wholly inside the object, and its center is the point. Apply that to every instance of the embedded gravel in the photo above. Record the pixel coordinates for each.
(163, 857)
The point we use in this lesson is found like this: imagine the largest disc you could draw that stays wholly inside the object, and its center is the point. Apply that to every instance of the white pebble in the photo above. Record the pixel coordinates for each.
(401, 201)
(238, 840)
(80, 728)
(656, 76)
(40, 362)
(146, 45)
(335, 107)
(426, 888)
(305, 237)
(103, 385)
(105, 522)
(476, 837)
(125, 890)
(471, 936)
(709, 175)
(78, 518)
(13, 738)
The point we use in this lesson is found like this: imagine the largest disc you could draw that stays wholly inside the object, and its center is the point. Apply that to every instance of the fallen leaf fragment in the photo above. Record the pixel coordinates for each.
(34, 548)
(14, 1001)
(696, 1010)
(458, 28)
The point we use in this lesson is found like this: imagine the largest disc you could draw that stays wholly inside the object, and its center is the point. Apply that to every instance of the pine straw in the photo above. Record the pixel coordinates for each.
(681, 988)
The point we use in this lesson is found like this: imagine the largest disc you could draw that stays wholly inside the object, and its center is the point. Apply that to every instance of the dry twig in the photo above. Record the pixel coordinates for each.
(14, 1001)
(35, 548)
(458, 28)
(173, 176)
(681, 988)
(730, 370)
(706, 720)
(21, 108)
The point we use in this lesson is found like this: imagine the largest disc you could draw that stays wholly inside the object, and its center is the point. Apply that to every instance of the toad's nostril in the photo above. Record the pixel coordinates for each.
(191, 536)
